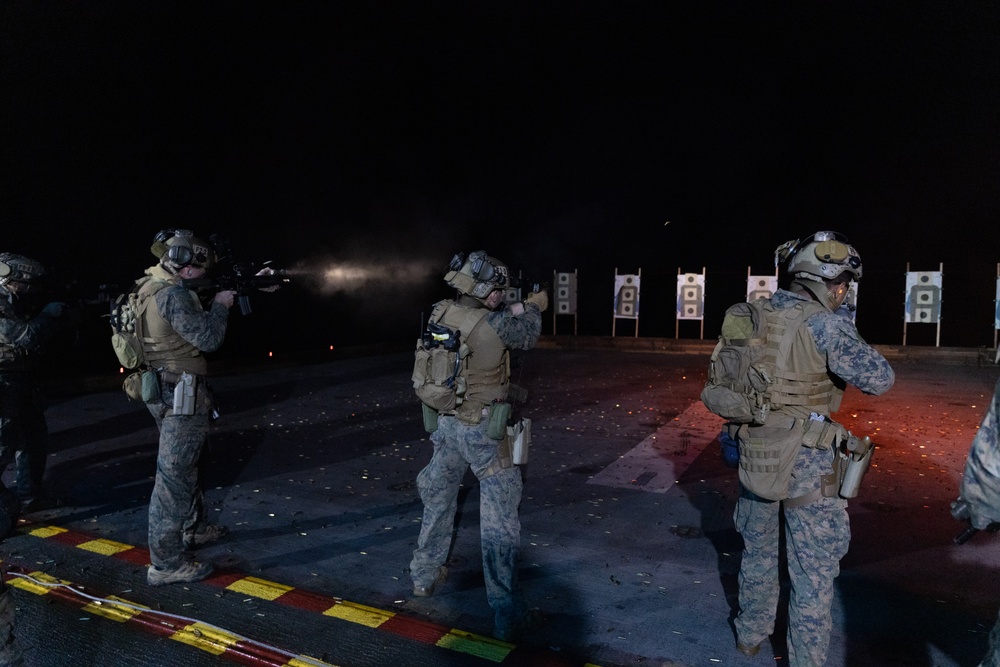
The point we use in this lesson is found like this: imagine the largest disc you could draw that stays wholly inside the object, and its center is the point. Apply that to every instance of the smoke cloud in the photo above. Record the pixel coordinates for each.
(329, 276)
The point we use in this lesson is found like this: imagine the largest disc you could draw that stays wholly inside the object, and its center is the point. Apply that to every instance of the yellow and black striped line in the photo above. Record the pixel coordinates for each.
(203, 636)
(241, 650)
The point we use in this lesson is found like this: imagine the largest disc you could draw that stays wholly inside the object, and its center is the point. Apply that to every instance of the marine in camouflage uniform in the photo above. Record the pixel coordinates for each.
(817, 532)
(174, 336)
(23, 431)
(980, 493)
(461, 442)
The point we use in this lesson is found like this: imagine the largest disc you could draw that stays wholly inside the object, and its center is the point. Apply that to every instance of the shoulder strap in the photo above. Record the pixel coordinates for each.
(468, 323)
(782, 322)
(438, 311)
(472, 320)
(142, 300)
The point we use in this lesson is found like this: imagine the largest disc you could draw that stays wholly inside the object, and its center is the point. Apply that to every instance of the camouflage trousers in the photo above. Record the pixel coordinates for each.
(177, 503)
(10, 652)
(992, 658)
(817, 536)
(24, 436)
(457, 447)
(9, 502)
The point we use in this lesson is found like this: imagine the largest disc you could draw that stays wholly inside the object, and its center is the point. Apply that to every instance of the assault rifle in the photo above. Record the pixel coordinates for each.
(244, 279)
(79, 299)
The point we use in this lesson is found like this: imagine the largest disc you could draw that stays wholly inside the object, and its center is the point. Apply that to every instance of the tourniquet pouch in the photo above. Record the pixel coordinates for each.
(430, 417)
(767, 456)
(150, 387)
(499, 416)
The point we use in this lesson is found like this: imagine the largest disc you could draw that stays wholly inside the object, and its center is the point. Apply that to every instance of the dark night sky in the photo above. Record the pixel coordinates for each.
(557, 136)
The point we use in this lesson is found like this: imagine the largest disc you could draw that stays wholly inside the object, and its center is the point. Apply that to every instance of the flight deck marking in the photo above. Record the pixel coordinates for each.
(194, 633)
(222, 643)
(656, 463)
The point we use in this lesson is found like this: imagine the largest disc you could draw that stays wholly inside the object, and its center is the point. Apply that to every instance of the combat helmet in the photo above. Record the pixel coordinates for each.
(822, 256)
(18, 269)
(177, 248)
(477, 275)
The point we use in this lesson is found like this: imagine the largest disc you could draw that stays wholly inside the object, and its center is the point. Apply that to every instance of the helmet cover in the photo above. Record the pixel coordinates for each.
(177, 248)
(822, 256)
(477, 275)
(16, 268)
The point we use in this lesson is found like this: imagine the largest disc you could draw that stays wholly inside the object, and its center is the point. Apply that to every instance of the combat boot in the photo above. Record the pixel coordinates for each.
(184, 573)
(204, 534)
(427, 591)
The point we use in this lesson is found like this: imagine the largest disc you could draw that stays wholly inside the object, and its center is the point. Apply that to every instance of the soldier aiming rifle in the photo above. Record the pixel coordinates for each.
(243, 279)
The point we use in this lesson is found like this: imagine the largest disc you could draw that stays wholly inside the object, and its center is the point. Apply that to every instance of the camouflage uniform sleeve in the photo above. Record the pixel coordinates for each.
(517, 332)
(182, 310)
(27, 335)
(848, 355)
(981, 481)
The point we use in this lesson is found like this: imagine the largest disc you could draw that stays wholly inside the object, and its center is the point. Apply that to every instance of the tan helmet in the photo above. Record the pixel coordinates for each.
(177, 248)
(477, 275)
(18, 269)
(822, 256)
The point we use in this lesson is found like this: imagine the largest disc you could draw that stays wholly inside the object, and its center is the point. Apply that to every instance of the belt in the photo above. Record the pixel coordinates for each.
(810, 497)
(171, 376)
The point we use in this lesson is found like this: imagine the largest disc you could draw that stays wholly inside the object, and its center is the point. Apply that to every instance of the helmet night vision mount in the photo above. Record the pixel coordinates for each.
(477, 274)
(822, 256)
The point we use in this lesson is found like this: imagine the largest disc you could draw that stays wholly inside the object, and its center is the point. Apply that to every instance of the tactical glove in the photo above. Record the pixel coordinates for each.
(540, 299)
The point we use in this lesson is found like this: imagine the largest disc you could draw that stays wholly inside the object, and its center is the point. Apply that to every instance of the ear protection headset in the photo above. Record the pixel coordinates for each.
(477, 274)
(179, 253)
(479, 265)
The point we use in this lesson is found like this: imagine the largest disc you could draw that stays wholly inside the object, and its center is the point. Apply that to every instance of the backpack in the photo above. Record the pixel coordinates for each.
(126, 318)
(125, 341)
(437, 365)
(738, 375)
(742, 378)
